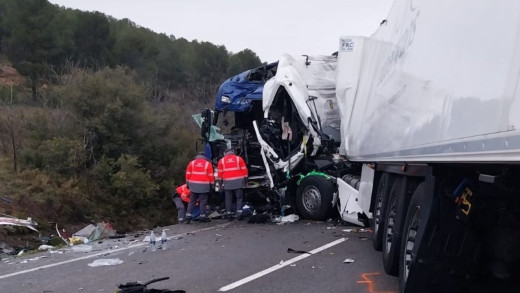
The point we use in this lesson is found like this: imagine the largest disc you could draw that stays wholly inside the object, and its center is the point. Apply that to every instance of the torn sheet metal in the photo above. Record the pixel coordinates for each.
(85, 232)
(102, 230)
(237, 93)
(11, 221)
(59, 234)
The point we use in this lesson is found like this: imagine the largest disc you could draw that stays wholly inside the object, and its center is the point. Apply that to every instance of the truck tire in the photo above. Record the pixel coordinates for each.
(314, 197)
(394, 218)
(381, 200)
(410, 278)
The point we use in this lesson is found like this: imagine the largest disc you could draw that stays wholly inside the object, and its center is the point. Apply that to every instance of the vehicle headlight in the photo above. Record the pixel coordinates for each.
(225, 99)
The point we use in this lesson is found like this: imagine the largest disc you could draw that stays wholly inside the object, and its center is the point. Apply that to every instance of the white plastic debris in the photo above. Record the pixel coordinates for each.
(157, 238)
(290, 218)
(82, 248)
(38, 257)
(105, 262)
(287, 219)
(45, 247)
(348, 260)
(347, 230)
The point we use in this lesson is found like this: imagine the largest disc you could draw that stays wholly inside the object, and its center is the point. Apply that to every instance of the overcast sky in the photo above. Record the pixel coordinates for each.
(268, 27)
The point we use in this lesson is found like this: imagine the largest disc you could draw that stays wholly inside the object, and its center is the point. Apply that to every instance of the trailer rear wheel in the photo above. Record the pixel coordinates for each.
(314, 197)
(381, 201)
(410, 279)
(395, 213)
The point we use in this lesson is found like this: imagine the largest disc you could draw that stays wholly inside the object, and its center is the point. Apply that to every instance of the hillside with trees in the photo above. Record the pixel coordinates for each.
(95, 114)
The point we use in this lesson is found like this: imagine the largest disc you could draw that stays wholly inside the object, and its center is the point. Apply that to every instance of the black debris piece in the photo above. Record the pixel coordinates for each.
(259, 219)
(134, 287)
(290, 250)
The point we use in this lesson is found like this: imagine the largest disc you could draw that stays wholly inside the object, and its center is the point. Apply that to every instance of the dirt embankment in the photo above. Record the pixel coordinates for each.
(10, 76)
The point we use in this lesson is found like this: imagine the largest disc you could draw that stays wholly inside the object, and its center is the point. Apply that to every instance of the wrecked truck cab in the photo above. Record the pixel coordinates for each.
(300, 133)
(238, 103)
(301, 97)
(285, 124)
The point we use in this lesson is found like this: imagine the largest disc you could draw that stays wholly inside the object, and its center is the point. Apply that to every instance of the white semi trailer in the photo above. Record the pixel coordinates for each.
(430, 105)
(413, 130)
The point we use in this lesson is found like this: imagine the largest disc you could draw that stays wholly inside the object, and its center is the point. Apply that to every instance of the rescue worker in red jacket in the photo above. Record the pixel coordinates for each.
(232, 175)
(181, 198)
(200, 180)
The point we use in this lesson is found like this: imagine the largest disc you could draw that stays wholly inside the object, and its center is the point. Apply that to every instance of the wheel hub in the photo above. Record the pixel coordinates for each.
(311, 199)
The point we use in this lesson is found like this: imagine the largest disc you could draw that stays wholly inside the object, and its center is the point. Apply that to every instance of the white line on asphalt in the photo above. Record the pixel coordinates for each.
(98, 254)
(279, 266)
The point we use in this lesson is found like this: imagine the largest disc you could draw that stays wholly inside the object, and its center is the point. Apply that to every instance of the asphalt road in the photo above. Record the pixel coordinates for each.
(219, 256)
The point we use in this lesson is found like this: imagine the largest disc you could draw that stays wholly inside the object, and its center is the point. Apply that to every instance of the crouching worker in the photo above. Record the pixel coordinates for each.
(181, 198)
(232, 175)
(200, 180)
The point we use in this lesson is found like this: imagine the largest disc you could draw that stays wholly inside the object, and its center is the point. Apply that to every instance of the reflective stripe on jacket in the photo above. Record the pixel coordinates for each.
(232, 171)
(199, 175)
(184, 193)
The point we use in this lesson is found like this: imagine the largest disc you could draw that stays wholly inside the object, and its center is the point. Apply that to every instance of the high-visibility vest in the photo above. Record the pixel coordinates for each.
(199, 175)
(184, 193)
(232, 170)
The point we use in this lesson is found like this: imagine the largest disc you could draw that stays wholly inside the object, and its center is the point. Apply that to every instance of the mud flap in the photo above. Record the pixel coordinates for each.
(349, 208)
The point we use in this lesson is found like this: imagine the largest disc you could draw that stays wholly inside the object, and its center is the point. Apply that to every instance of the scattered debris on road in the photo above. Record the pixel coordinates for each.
(105, 262)
(12, 221)
(290, 250)
(134, 287)
(287, 219)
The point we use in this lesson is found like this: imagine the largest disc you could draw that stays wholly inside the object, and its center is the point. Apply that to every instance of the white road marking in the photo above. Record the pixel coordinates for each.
(98, 254)
(279, 266)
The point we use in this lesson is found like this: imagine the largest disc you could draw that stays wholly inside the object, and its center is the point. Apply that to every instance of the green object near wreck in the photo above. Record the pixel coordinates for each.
(313, 172)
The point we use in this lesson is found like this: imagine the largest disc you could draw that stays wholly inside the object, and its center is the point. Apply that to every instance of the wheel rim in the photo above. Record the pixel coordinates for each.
(411, 235)
(379, 206)
(390, 225)
(311, 198)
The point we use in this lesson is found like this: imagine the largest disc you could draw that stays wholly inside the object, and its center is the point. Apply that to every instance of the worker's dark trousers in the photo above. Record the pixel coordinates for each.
(203, 201)
(239, 193)
(181, 209)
